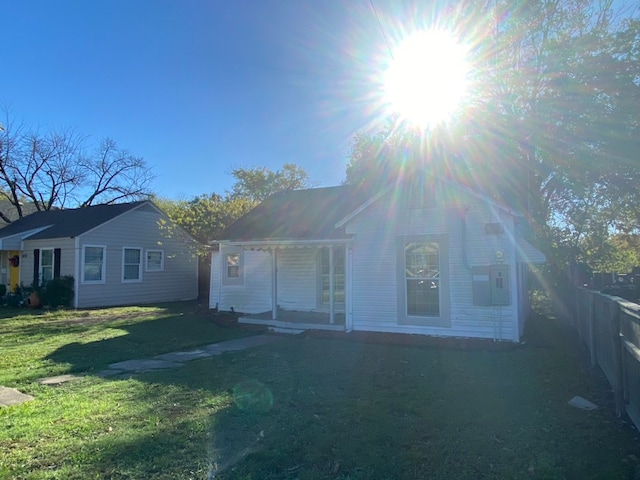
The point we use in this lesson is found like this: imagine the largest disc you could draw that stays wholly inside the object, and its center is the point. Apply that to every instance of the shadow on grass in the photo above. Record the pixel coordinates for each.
(353, 407)
(315, 408)
(145, 339)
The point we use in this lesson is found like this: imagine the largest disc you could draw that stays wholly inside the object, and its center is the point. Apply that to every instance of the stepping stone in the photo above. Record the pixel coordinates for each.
(185, 356)
(11, 396)
(582, 403)
(144, 365)
(58, 380)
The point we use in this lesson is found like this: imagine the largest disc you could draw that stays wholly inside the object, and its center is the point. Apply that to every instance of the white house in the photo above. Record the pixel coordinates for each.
(423, 256)
(121, 254)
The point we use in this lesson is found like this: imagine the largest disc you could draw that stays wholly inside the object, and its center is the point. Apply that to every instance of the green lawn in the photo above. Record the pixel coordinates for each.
(309, 407)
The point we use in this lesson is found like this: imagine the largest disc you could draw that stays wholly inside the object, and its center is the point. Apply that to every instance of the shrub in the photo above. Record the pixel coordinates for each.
(57, 292)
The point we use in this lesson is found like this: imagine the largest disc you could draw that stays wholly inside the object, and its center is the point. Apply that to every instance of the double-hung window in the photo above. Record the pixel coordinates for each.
(422, 277)
(46, 265)
(233, 266)
(131, 264)
(93, 264)
(423, 290)
(155, 261)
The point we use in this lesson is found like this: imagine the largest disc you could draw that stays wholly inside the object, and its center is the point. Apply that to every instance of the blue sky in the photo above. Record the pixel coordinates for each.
(198, 87)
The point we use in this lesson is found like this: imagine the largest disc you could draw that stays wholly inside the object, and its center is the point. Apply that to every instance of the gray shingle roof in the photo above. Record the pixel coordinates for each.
(67, 223)
(10, 211)
(298, 215)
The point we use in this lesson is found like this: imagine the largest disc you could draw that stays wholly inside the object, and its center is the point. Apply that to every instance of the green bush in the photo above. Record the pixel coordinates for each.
(57, 292)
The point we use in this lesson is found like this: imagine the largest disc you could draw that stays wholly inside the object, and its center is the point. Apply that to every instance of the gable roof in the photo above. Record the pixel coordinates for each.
(318, 213)
(309, 214)
(66, 223)
(12, 212)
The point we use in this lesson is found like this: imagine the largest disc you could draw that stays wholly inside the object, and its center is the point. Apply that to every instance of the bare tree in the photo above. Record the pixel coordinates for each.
(115, 175)
(58, 169)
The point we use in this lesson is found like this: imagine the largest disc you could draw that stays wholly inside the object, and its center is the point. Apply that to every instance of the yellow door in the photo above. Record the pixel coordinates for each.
(14, 270)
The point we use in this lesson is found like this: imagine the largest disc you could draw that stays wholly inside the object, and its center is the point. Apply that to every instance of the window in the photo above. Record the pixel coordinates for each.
(422, 276)
(338, 275)
(93, 260)
(155, 261)
(423, 281)
(132, 264)
(46, 265)
(232, 266)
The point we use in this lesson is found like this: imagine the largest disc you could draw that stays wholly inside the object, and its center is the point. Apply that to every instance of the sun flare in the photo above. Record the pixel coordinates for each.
(427, 78)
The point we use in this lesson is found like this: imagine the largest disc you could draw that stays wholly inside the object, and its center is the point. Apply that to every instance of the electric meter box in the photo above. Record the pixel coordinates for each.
(490, 285)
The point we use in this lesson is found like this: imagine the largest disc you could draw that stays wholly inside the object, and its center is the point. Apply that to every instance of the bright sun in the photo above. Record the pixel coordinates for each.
(427, 78)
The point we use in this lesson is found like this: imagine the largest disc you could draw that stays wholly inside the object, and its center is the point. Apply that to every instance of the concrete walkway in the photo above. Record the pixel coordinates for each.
(178, 359)
(11, 396)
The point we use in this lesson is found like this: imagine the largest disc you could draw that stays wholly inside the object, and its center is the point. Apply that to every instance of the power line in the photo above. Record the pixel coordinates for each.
(384, 35)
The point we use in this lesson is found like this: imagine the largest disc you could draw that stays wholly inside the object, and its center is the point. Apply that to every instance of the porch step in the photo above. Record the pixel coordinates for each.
(288, 331)
(294, 326)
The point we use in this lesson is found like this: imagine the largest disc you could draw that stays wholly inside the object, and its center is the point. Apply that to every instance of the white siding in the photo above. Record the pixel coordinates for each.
(141, 228)
(297, 279)
(254, 294)
(67, 257)
(215, 280)
(374, 296)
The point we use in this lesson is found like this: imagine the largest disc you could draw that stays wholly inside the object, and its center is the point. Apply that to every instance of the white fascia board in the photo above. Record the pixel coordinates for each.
(14, 242)
(453, 184)
(363, 207)
(284, 243)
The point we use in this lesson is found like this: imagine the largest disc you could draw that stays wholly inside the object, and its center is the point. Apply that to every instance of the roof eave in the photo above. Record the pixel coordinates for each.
(362, 207)
(276, 242)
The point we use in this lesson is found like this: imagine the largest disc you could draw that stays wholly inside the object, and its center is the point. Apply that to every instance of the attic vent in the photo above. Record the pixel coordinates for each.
(493, 228)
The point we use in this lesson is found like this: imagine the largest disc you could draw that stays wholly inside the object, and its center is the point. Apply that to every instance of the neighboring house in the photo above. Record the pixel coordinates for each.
(426, 256)
(121, 254)
(9, 275)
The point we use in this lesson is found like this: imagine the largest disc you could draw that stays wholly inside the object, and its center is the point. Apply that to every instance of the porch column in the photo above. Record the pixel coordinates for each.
(274, 283)
(348, 312)
(332, 309)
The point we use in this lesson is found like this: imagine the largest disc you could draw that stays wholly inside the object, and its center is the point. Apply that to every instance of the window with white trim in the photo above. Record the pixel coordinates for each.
(131, 264)
(155, 261)
(93, 263)
(422, 277)
(46, 265)
(423, 280)
(233, 266)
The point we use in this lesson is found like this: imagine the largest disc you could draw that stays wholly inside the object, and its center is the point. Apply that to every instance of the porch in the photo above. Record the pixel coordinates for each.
(292, 321)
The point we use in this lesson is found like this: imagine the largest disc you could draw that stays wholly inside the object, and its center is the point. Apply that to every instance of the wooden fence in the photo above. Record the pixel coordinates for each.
(610, 328)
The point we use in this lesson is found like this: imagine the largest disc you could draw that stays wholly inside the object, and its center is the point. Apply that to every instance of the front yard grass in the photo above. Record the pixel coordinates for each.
(312, 407)
(39, 343)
